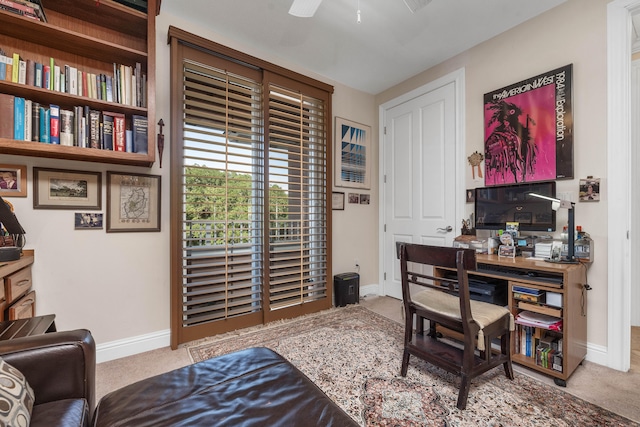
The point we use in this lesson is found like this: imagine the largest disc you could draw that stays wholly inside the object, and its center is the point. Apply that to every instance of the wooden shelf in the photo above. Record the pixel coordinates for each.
(54, 151)
(53, 37)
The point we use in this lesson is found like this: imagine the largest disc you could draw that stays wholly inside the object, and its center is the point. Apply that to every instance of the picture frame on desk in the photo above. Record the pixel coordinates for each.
(13, 181)
(66, 189)
(507, 251)
(133, 202)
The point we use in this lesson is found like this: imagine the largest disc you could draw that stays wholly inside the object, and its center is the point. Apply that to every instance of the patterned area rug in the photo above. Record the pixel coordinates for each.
(354, 356)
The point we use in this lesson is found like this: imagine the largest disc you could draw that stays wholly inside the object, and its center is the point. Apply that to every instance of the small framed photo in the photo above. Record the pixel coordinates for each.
(133, 202)
(337, 201)
(365, 199)
(354, 198)
(507, 251)
(13, 181)
(66, 189)
(471, 195)
(88, 221)
(590, 189)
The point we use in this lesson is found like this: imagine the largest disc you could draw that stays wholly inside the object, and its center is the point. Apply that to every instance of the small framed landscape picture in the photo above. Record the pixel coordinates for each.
(13, 181)
(66, 189)
(133, 202)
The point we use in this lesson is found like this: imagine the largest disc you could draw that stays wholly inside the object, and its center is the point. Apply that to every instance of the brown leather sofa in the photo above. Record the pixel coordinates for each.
(252, 387)
(61, 369)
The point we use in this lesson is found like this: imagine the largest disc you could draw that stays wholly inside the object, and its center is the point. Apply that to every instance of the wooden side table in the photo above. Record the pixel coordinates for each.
(10, 329)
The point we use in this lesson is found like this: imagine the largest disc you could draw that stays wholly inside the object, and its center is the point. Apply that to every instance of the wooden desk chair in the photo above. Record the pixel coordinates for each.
(446, 302)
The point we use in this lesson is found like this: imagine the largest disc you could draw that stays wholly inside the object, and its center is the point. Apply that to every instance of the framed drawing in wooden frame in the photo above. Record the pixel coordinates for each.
(13, 181)
(133, 202)
(352, 154)
(66, 189)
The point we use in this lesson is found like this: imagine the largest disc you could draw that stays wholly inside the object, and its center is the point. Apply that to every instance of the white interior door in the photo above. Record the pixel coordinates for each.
(420, 176)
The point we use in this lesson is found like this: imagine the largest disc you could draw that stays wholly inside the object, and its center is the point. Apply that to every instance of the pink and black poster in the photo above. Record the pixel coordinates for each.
(528, 130)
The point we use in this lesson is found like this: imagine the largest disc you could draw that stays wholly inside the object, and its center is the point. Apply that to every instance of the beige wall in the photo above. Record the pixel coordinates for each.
(573, 33)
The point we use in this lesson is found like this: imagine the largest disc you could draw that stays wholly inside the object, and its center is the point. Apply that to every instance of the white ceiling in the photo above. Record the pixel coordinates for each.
(390, 44)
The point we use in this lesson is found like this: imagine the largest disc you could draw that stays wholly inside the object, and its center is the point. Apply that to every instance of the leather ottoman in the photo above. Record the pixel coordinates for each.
(253, 387)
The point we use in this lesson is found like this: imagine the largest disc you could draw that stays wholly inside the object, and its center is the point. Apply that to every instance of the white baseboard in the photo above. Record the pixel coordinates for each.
(134, 345)
(369, 290)
(597, 354)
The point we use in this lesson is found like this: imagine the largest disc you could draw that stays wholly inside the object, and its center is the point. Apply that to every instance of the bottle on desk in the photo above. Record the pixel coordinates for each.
(583, 246)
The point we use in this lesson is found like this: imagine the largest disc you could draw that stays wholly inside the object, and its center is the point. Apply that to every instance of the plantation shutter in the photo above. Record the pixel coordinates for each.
(223, 187)
(250, 178)
(297, 158)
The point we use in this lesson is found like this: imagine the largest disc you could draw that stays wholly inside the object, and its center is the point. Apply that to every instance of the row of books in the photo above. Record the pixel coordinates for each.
(545, 349)
(126, 86)
(25, 120)
(29, 9)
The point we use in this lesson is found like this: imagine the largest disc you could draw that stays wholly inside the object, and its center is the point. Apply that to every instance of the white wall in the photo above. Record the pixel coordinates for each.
(574, 32)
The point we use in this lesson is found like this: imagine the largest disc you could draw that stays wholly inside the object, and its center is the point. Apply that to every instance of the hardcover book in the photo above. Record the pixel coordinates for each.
(107, 130)
(139, 129)
(44, 125)
(119, 137)
(6, 115)
(54, 124)
(18, 118)
(35, 122)
(94, 126)
(28, 104)
(67, 126)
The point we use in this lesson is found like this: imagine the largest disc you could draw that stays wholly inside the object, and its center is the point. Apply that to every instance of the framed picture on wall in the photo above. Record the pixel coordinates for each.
(352, 154)
(133, 202)
(337, 201)
(66, 189)
(13, 181)
(528, 129)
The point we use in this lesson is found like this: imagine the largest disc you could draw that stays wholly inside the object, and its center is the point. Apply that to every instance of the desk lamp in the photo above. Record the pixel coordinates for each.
(570, 206)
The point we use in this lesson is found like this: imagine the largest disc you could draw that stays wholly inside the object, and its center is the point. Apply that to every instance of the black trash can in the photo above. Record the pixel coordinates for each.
(346, 289)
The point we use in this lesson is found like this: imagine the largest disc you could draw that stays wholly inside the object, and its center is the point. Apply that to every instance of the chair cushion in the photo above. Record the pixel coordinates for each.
(483, 313)
(16, 397)
(63, 413)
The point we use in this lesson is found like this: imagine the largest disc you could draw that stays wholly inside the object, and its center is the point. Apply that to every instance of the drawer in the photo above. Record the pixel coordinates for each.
(23, 308)
(17, 284)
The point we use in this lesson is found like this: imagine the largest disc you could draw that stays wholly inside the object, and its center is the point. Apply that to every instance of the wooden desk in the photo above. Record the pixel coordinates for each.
(567, 280)
(10, 329)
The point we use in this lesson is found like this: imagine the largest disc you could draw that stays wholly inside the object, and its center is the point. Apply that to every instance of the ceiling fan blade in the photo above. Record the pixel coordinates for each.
(304, 8)
(416, 5)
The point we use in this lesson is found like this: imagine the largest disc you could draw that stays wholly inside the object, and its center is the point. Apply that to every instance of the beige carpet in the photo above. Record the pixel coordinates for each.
(353, 354)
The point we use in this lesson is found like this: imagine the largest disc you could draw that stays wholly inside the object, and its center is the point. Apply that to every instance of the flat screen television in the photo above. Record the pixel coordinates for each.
(495, 206)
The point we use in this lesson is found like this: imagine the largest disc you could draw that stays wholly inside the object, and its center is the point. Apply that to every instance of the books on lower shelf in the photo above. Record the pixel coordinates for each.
(80, 126)
(540, 346)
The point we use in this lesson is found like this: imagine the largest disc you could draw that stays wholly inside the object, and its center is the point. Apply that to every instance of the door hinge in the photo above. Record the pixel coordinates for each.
(385, 276)
(385, 228)
(384, 181)
(385, 130)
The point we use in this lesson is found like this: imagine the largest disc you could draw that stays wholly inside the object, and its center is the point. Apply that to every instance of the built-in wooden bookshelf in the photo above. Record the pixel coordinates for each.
(90, 35)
